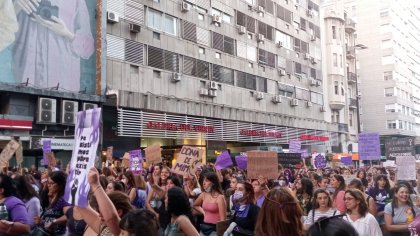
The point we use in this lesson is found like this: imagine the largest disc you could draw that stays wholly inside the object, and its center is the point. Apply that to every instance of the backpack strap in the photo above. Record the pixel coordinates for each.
(392, 206)
(335, 211)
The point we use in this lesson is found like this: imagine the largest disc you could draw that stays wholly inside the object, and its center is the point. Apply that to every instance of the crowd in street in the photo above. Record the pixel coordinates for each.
(212, 202)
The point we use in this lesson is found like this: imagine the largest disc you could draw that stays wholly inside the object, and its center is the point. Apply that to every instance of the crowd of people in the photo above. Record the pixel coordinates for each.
(212, 202)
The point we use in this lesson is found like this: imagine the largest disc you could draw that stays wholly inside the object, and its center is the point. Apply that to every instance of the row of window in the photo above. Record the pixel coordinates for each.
(399, 124)
(393, 91)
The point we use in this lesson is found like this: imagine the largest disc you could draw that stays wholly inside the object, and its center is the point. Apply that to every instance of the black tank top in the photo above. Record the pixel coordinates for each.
(75, 227)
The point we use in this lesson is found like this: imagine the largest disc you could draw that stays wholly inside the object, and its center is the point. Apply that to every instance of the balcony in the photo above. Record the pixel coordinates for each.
(351, 78)
(352, 103)
(350, 52)
(343, 127)
(336, 104)
(350, 26)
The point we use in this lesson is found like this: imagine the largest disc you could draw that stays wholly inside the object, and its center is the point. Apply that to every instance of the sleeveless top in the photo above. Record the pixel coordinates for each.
(55, 211)
(211, 213)
(173, 230)
(75, 227)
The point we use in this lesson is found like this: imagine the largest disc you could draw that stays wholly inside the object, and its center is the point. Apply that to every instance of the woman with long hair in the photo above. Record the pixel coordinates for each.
(245, 211)
(29, 196)
(400, 212)
(179, 209)
(357, 184)
(304, 190)
(211, 204)
(338, 183)
(156, 198)
(140, 222)
(280, 215)
(361, 175)
(332, 226)
(321, 207)
(381, 193)
(114, 186)
(358, 214)
(260, 190)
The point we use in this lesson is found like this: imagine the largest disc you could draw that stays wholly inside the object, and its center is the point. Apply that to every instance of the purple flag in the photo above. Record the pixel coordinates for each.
(223, 161)
(242, 162)
(304, 153)
(46, 148)
(136, 162)
(294, 146)
(347, 160)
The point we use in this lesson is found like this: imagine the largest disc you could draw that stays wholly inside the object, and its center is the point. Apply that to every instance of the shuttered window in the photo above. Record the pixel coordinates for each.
(189, 31)
(196, 68)
(296, 47)
(245, 20)
(286, 90)
(303, 94)
(222, 74)
(163, 59)
(203, 36)
(268, 5)
(266, 30)
(134, 11)
(134, 52)
(304, 47)
(223, 43)
(302, 24)
(284, 14)
(266, 58)
(245, 80)
(262, 84)
(298, 68)
(124, 49)
(314, 30)
(313, 73)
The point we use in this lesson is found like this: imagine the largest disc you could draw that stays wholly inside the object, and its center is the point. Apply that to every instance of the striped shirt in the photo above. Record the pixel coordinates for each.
(312, 218)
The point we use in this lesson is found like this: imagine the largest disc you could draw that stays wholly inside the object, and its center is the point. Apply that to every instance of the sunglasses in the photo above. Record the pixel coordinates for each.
(320, 223)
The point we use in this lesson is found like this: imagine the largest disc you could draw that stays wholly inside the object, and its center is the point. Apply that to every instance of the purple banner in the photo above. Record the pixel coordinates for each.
(295, 146)
(223, 161)
(136, 162)
(347, 160)
(46, 148)
(319, 160)
(369, 146)
(242, 162)
(304, 153)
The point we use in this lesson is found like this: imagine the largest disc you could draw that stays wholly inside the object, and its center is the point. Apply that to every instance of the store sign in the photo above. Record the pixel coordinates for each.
(260, 133)
(56, 143)
(179, 127)
(399, 147)
(313, 137)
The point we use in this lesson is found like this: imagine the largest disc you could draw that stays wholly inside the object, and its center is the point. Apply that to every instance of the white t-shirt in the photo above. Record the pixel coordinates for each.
(313, 217)
(365, 226)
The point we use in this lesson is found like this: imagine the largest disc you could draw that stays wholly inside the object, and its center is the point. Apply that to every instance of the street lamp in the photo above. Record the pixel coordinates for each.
(358, 47)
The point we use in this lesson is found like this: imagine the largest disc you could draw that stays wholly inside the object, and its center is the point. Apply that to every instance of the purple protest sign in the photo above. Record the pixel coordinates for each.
(242, 162)
(223, 161)
(46, 148)
(136, 162)
(369, 146)
(304, 153)
(347, 160)
(295, 146)
(87, 137)
(319, 160)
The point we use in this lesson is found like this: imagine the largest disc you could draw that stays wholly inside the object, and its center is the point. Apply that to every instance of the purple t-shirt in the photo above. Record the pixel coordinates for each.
(17, 210)
(260, 201)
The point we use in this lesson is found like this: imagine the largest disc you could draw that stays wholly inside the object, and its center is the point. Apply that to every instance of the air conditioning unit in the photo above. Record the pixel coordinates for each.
(212, 93)
(308, 104)
(69, 111)
(217, 19)
(113, 17)
(294, 102)
(134, 28)
(213, 85)
(282, 72)
(276, 99)
(323, 109)
(318, 83)
(279, 44)
(313, 82)
(185, 7)
(259, 96)
(88, 106)
(242, 29)
(260, 38)
(313, 37)
(176, 77)
(260, 9)
(204, 92)
(306, 56)
(310, 13)
(47, 109)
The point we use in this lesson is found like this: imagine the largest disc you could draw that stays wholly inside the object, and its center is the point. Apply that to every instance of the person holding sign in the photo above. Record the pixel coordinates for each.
(211, 204)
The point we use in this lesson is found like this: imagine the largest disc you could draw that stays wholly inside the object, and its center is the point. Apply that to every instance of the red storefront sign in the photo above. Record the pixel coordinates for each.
(179, 127)
(260, 133)
(15, 124)
(313, 137)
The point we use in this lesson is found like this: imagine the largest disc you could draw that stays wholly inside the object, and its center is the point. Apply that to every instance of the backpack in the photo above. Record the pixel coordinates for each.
(140, 200)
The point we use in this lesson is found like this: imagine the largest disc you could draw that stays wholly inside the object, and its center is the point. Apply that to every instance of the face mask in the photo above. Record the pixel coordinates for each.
(238, 195)
(208, 189)
(282, 183)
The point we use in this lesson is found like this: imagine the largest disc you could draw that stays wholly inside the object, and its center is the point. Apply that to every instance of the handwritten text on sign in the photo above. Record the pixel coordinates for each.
(262, 163)
(188, 161)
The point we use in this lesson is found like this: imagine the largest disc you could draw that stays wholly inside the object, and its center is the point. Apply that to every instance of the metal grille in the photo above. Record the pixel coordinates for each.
(171, 61)
(135, 124)
(241, 49)
(240, 18)
(203, 36)
(189, 31)
(116, 6)
(115, 47)
(217, 41)
(155, 57)
(196, 68)
(269, 6)
(229, 45)
(250, 24)
(133, 52)
(134, 12)
(205, 4)
(222, 74)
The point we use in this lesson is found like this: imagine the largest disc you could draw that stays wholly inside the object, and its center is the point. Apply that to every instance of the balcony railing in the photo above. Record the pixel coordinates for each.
(351, 78)
(350, 26)
(350, 52)
(353, 103)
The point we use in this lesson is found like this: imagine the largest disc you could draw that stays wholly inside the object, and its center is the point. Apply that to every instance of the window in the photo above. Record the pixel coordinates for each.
(388, 75)
(389, 92)
(162, 22)
(156, 35)
(336, 87)
(351, 119)
(200, 16)
(163, 59)
(383, 13)
(247, 21)
(285, 39)
(262, 84)
(391, 124)
(245, 80)
(284, 14)
(383, 29)
(201, 50)
(335, 63)
(266, 58)
(341, 61)
(286, 90)
(218, 55)
(317, 98)
(225, 17)
(390, 107)
(196, 68)
(266, 30)
(222, 74)
(223, 43)
(302, 94)
(334, 32)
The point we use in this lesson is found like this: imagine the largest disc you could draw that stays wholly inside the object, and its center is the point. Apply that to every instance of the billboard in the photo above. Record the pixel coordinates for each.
(50, 43)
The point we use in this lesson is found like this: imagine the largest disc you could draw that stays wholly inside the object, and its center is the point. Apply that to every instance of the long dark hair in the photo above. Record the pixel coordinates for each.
(178, 203)
(307, 187)
(358, 196)
(6, 183)
(140, 222)
(25, 190)
(59, 177)
(212, 177)
(342, 185)
(315, 204)
(375, 189)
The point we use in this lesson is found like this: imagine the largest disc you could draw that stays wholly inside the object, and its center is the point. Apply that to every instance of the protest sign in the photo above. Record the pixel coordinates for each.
(153, 154)
(389, 163)
(223, 161)
(19, 153)
(369, 146)
(242, 162)
(319, 160)
(136, 162)
(304, 153)
(126, 160)
(347, 160)
(406, 167)
(109, 153)
(290, 160)
(52, 161)
(294, 146)
(8, 152)
(46, 148)
(189, 159)
(399, 147)
(262, 163)
(348, 178)
(87, 137)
